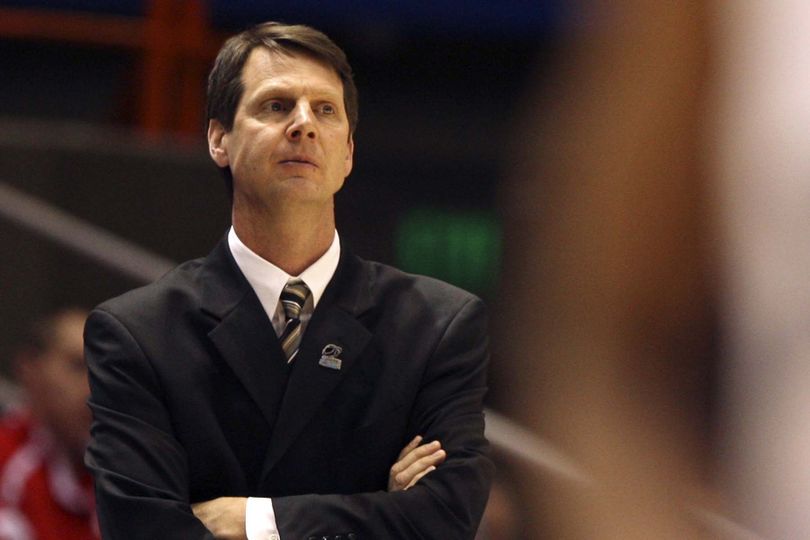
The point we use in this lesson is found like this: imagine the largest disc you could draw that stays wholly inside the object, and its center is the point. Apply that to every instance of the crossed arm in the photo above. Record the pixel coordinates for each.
(225, 516)
(142, 472)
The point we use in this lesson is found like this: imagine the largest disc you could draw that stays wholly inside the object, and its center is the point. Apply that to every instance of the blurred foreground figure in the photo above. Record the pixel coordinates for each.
(764, 168)
(45, 490)
(504, 517)
(607, 244)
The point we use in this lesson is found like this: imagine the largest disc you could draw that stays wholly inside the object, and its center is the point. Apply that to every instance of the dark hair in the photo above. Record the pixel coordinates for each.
(225, 86)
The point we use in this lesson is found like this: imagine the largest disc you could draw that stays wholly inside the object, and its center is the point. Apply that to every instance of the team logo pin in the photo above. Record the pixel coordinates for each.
(329, 356)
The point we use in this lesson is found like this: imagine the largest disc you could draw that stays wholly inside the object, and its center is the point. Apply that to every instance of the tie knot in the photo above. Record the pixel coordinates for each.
(293, 298)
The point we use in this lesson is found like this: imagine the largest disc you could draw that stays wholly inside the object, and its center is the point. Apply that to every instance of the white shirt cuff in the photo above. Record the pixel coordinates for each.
(260, 519)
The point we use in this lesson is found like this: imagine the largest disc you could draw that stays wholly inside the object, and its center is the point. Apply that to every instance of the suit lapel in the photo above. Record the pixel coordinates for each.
(334, 322)
(242, 333)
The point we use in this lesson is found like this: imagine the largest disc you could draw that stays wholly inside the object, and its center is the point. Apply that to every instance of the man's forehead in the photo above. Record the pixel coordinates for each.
(263, 63)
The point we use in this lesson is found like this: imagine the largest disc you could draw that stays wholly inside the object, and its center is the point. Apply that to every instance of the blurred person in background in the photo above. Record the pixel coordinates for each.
(9, 394)
(45, 490)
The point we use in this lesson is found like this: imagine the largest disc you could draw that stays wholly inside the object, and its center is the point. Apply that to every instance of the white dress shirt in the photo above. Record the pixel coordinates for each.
(268, 281)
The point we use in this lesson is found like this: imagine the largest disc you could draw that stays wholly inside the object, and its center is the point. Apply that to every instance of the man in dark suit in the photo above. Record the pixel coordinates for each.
(268, 390)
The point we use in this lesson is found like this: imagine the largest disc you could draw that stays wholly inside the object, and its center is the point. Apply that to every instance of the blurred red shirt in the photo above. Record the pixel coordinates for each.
(42, 497)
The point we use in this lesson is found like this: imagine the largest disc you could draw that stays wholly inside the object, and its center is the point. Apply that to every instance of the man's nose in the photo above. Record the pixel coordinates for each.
(302, 124)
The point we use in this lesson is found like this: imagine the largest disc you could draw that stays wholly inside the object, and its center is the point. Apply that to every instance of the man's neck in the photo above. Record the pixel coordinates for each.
(291, 244)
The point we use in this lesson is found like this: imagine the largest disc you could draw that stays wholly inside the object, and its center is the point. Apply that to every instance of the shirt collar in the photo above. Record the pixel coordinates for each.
(268, 280)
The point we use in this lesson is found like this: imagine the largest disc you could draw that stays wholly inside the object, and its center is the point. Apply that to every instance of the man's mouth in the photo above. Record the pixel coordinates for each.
(298, 161)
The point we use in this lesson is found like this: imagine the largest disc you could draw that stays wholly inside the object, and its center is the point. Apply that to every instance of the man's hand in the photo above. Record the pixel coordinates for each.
(224, 517)
(414, 462)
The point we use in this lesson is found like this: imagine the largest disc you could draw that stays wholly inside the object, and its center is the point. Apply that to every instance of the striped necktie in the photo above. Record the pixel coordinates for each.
(293, 297)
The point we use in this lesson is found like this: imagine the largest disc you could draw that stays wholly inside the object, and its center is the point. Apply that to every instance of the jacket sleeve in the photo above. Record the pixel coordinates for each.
(140, 470)
(446, 504)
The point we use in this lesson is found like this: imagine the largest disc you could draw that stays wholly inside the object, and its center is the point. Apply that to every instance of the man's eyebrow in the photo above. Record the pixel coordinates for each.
(284, 91)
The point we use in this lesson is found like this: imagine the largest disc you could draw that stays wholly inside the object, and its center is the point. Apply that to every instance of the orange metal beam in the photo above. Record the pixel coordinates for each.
(86, 28)
(175, 42)
(155, 103)
(194, 37)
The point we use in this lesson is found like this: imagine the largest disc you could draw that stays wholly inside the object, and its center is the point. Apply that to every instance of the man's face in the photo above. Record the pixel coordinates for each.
(290, 141)
(56, 384)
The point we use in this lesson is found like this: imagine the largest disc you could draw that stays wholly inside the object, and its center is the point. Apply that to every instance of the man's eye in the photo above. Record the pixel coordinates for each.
(273, 106)
(328, 108)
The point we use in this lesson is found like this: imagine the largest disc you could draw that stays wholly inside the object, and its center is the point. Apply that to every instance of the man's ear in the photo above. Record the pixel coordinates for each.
(216, 143)
(349, 161)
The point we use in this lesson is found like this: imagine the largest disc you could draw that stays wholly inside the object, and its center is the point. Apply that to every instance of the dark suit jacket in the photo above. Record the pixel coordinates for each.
(192, 400)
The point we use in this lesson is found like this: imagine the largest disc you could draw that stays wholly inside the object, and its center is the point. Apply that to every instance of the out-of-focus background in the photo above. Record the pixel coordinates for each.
(625, 183)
